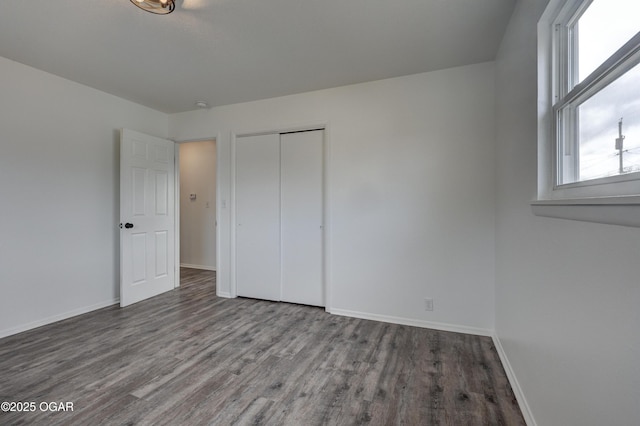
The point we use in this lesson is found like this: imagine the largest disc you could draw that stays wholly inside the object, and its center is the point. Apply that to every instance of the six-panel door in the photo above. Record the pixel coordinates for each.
(147, 216)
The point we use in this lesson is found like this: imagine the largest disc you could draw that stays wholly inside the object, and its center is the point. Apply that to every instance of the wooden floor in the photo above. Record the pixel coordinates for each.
(189, 358)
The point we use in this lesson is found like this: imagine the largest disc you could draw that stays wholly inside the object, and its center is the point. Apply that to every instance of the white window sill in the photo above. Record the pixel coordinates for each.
(624, 210)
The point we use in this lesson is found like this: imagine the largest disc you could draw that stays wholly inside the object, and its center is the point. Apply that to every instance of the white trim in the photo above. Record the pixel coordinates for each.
(218, 215)
(611, 214)
(224, 294)
(176, 213)
(281, 269)
(58, 317)
(607, 180)
(202, 267)
(414, 322)
(326, 230)
(280, 130)
(233, 292)
(631, 200)
(513, 381)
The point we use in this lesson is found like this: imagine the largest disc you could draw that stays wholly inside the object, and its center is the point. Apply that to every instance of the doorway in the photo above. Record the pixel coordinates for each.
(197, 201)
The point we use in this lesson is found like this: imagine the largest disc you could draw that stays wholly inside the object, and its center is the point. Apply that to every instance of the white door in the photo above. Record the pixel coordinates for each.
(257, 195)
(146, 215)
(301, 217)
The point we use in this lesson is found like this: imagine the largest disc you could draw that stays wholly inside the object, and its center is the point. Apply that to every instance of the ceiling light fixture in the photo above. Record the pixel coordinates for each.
(160, 7)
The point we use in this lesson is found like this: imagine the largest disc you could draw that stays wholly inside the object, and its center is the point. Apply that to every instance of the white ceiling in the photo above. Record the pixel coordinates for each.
(229, 51)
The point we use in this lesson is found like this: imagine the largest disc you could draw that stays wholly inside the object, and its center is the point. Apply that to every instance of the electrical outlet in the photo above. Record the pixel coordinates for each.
(428, 304)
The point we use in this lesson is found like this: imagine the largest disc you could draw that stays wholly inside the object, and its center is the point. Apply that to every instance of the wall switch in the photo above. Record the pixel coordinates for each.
(428, 304)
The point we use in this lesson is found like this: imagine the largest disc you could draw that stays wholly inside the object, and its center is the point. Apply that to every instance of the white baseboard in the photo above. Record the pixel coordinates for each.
(224, 294)
(515, 386)
(414, 322)
(204, 268)
(56, 318)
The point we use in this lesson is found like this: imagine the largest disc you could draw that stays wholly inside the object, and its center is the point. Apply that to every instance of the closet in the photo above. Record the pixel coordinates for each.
(279, 217)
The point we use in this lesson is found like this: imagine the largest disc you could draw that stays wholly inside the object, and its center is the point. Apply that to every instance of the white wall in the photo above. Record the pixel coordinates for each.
(198, 217)
(410, 191)
(59, 194)
(567, 292)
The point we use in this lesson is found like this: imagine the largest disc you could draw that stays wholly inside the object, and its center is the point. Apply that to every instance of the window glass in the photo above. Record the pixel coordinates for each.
(603, 28)
(613, 110)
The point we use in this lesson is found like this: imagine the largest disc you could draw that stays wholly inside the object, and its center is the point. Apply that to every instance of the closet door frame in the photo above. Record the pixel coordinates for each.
(326, 243)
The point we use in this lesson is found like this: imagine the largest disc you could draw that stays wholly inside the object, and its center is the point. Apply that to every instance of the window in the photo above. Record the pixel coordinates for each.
(589, 111)
(595, 93)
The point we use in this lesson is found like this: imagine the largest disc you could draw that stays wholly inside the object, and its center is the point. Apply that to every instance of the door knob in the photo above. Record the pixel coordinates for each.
(128, 225)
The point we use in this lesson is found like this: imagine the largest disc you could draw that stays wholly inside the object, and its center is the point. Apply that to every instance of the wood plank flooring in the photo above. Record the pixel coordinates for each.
(188, 357)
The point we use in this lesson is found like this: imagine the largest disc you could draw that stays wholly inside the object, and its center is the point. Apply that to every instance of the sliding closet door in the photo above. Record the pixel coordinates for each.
(301, 217)
(258, 216)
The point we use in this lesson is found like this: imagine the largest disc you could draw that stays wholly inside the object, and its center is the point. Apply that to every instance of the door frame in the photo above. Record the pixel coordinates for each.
(326, 235)
(177, 204)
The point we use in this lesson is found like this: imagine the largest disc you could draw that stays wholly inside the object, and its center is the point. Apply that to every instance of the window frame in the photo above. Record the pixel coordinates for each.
(605, 200)
(568, 94)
